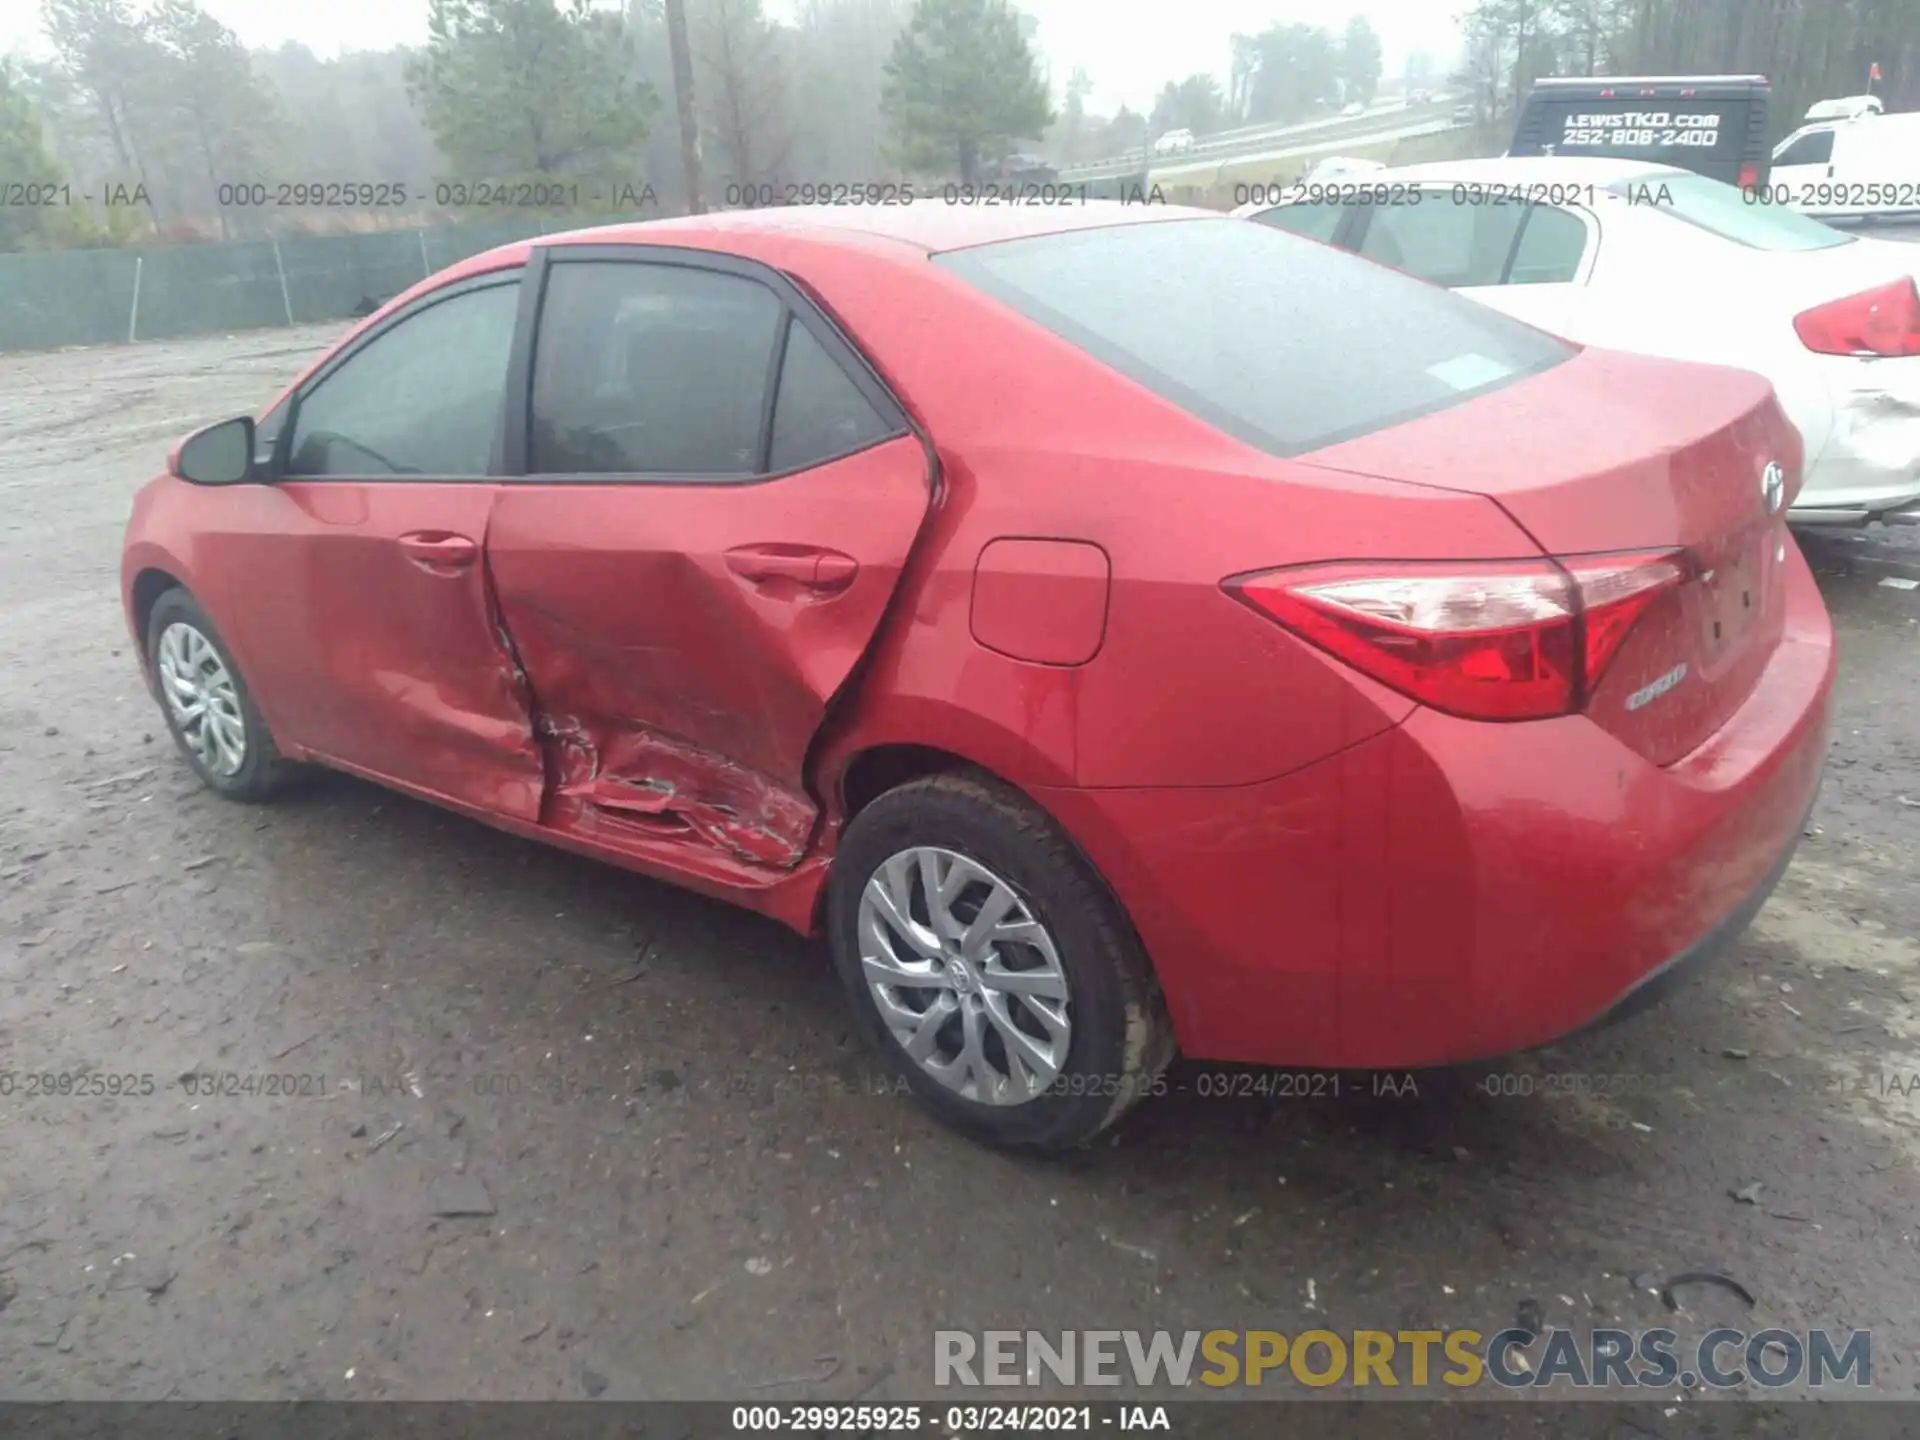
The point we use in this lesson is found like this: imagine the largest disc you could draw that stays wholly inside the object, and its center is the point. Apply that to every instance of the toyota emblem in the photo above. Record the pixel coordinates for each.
(1773, 486)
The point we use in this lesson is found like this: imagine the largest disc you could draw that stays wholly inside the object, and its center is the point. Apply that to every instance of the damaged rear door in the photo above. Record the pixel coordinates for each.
(718, 499)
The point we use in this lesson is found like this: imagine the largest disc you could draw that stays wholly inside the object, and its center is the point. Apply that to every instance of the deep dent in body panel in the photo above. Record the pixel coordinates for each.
(636, 773)
(595, 768)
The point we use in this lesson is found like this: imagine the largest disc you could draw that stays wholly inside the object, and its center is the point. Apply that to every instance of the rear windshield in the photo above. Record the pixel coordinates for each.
(1685, 132)
(1281, 342)
(1731, 213)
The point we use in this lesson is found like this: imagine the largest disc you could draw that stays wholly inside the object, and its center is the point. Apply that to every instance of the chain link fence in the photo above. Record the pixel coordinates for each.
(50, 299)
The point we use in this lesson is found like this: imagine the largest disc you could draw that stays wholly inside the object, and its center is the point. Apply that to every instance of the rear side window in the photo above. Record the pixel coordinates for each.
(818, 413)
(651, 370)
(1451, 245)
(1287, 345)
(1813, 148)
(1552, 243)
(1315, 219)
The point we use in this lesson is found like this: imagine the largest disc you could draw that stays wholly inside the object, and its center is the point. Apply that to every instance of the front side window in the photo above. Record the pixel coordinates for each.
(1813, 148)
(1285, 344)
(650, 369)
(421, 398)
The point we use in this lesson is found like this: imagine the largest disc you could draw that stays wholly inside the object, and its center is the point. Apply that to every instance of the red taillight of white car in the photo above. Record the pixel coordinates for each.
(1882, 321)
(1488, 640)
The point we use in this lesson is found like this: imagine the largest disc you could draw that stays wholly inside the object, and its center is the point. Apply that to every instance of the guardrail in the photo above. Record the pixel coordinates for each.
(1252, 140)
(1173, 170)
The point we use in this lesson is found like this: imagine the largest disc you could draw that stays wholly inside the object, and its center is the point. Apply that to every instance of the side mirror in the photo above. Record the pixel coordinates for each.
(218, 455)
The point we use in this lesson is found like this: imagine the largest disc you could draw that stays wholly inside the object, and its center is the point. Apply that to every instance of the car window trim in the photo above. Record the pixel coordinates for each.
(1352, 232)
(511, 274)
(1347, 234)
(797, 305)
(1513, 246)
(770, 397)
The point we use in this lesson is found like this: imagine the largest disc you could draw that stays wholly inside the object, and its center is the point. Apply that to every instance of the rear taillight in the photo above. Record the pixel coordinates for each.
(1490, 640)
(1883, 321)
(1749, 176)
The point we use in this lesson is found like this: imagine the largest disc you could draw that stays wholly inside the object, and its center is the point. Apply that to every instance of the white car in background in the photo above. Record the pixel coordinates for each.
(1850, 160)
(1337, 167)
(1648, 258)
(1174, 142)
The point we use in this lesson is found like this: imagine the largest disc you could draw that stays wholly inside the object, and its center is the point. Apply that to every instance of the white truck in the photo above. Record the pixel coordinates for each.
(1849, 161)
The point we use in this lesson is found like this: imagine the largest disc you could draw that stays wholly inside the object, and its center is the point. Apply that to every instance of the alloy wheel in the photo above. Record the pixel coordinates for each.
(202, 698)
(965, 978)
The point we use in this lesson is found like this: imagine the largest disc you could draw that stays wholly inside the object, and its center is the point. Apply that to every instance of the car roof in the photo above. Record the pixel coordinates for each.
(930, 224)
(1535, 170)
(1874, 122)
(1613, 82)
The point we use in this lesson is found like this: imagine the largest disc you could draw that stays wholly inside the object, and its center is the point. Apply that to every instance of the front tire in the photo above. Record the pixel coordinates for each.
(207, 705)
(990, 968)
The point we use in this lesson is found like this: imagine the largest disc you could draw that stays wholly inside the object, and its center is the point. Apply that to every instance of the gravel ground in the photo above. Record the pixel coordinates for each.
(682, 1180)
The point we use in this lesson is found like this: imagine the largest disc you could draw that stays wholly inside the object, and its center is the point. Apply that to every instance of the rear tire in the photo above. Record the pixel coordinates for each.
(208, 708)
(1044, 1027)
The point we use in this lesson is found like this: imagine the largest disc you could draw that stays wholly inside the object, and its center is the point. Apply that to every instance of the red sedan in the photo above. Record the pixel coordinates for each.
(1117, 629)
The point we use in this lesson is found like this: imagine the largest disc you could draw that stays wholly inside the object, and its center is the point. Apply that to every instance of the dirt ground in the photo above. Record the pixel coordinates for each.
(686, 1183)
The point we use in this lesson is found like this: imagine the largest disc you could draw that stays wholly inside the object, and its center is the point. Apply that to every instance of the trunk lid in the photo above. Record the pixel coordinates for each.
(1621, 453)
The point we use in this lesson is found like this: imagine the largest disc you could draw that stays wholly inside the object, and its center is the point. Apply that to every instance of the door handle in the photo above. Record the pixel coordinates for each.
(438, 552)
(820, 570)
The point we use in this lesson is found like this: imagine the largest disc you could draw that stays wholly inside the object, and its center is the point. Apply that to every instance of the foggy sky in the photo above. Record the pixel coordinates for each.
(1129, 48)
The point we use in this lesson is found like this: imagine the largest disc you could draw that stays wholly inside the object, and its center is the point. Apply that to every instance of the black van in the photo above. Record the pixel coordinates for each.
(1714, 125)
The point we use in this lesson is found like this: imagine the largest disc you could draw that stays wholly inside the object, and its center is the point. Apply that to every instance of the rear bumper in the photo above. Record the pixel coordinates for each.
(1450, 891)
(1827, 516)
(1650, 989)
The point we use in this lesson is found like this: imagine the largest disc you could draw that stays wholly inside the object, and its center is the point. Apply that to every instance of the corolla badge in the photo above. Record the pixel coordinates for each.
(1773, 486)
(1647, 694)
